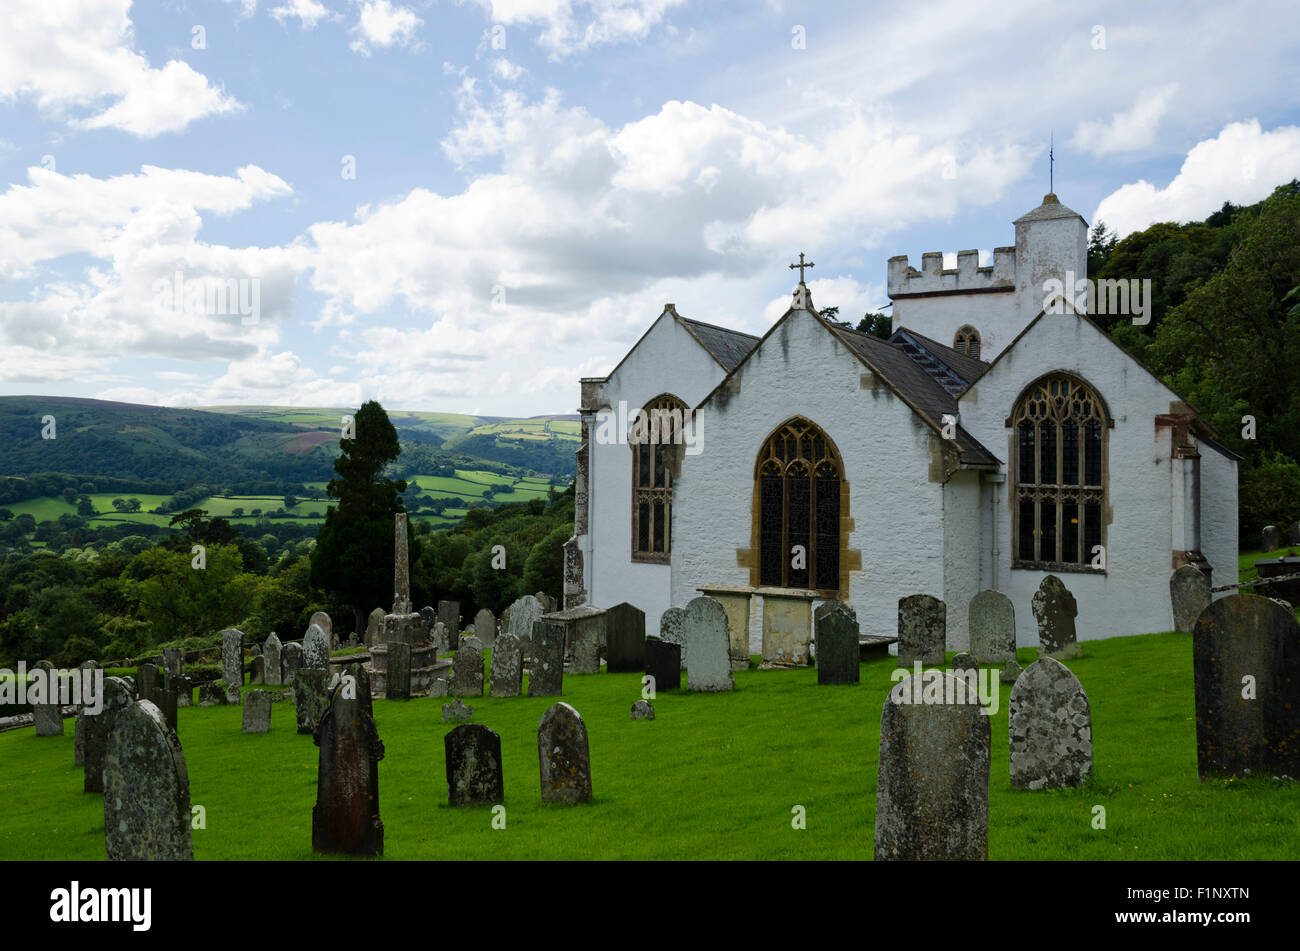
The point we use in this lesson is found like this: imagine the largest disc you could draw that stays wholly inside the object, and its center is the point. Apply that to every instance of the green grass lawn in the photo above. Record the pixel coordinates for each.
(714, 776)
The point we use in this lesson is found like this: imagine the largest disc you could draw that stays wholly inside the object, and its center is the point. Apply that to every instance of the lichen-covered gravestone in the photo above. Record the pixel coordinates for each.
(642, 710)
(1051, 728)
(173, 663)
(232, 663)
(963, 662)
(922, 630)
(99, 727)
(672, 631)
(837, 644)
(449, 615)
(257, 712)
(146, 790)
(1246, 669)
(624, 639)
(473, 758)
(992, 622)
(709, 645)
(467, 671)
(375, 627)
(1189, 595)
(932, 787)
(398, 677)
(663, 662)
(1055, 610)
(546, 672)
(485, 626)
(316, 648)
(523, 613)
(346, 815)
(322, 620)
(290, 661)
(48, 712)
(457, 712)
(564, 756)
(274, 667)
(506, 678)
(310, 697)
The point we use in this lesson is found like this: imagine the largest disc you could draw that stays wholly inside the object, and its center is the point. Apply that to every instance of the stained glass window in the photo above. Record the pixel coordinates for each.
(800, 478)
(654, 440)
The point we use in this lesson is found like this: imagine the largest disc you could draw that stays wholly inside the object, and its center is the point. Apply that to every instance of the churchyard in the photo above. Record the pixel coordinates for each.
(714, 775)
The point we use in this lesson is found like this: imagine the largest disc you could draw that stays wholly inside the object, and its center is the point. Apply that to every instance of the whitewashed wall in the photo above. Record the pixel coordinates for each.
(994, 315)
(666, 360)
(963, 547)
(1133, 596)
(1219, 514)
(803, 370)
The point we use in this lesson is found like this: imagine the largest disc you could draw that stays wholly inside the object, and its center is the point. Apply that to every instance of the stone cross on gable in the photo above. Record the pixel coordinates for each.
(401, 567)
(801, 265)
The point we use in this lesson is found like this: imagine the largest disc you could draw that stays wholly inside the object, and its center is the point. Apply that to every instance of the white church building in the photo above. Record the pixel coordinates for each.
(993, 439)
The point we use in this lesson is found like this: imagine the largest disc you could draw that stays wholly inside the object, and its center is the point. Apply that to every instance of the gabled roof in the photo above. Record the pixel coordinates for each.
(728, 347)
(900, 373)
(1200, 426)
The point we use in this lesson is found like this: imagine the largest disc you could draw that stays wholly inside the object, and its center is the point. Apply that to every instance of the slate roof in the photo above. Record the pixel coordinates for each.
(965, 367)
(917, 387)
(728, 347)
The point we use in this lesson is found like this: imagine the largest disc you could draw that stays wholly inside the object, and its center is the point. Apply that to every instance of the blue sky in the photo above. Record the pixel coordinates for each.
(466, 206)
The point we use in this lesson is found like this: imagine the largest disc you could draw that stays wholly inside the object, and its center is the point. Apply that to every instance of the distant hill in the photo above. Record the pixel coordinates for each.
(174, 448)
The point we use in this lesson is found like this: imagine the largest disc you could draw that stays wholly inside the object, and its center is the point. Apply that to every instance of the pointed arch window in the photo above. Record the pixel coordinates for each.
(799, 473)
(967, 341)
(655, 437)
(1059, 469)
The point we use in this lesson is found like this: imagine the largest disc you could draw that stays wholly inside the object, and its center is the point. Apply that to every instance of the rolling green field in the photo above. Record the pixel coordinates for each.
(714, 776)
(468, 485)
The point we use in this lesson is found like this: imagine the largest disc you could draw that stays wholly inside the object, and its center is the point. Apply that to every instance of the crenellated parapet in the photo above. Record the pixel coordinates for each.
(967, 277)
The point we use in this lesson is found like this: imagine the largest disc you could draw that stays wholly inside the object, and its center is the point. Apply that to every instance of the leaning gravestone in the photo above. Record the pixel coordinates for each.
(146, 790)
(1246, 668)
(485, 626)
(563, 752)
(398, 678)
(1055, 609)
(709, 645)
(663, 662)
(1270, 539)
(316, 648)
(932, 788)
(467, 671)
(546, 671)
(449, 615)
(49, 715)
(290, 661)
(671, 630)
(232, 663)
(257, 712)
(1051, 728)
(173, 663)
(473, 758)
(992, 621)
(922, 630)
(375, 627)
(624, 639)
(837, 644)
(346, 815)
(310, 697)
(273, 669)
(1189, 594)
(99, 728)
(523, 613)
(507, 667)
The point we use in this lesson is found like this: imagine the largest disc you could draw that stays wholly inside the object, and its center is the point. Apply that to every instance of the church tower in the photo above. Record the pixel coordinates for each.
(980, 310)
